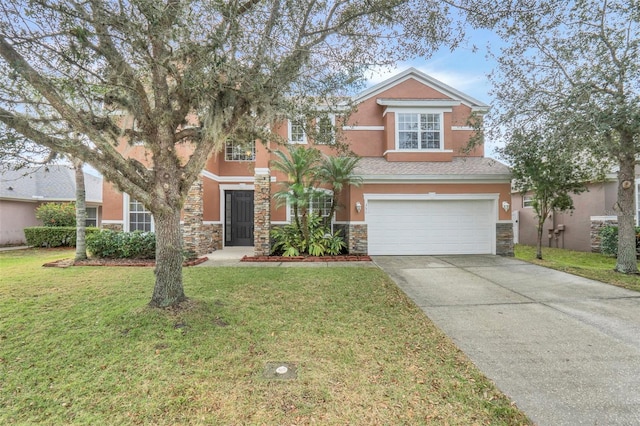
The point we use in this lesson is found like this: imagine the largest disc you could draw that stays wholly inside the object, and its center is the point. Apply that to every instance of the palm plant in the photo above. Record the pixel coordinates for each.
(301, 166)
(338, 173)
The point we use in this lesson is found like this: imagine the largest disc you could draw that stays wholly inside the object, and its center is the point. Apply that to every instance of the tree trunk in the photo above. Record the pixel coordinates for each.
(627, 262)
(168, 290)
(540, 230)
(81, 211)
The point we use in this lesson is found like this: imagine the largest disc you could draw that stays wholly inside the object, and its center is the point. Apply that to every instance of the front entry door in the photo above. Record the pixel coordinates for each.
(239, 218)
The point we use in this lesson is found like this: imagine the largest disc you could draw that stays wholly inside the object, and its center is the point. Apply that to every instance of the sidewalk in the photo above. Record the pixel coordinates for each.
(230, 256)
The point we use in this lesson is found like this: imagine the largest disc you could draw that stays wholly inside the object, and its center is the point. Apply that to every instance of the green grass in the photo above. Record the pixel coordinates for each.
(589, 265)
(79, 346)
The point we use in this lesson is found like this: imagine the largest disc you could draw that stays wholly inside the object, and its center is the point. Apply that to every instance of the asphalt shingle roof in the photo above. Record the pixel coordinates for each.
(53, 183)
(460, 167)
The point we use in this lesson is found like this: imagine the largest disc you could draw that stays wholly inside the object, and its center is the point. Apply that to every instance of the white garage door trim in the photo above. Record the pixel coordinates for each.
(471, 241)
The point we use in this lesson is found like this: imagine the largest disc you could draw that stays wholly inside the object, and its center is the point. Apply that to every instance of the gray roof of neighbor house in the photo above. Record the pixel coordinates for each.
(47, 183)
(461, 168)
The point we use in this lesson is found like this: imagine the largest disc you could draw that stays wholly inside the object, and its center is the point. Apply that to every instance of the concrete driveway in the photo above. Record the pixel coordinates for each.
(564, 348)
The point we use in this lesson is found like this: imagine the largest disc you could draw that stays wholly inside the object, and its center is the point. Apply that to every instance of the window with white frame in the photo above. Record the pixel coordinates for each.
(140, 218)
(527, 201)
(320, 204)
(240, 151)
(326, 130)
(92, 216)
(296, 132)
(419, 131)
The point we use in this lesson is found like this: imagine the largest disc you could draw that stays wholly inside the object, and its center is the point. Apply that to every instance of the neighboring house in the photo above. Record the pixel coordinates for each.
(22, 191)
(574, 230)
(421, 193)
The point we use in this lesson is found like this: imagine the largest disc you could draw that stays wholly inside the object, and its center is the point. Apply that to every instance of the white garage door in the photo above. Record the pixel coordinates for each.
(428, 227)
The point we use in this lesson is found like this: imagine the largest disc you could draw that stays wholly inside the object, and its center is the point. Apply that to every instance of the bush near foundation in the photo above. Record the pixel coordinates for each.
(54, 236)
(122, 245)
(609, 240)
(57, 214)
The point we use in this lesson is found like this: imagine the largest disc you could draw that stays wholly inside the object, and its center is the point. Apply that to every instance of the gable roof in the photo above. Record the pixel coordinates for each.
(50, 183)
(425, 79)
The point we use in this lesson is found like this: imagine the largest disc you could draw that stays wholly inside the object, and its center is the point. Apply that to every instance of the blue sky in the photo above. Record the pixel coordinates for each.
(464, 69)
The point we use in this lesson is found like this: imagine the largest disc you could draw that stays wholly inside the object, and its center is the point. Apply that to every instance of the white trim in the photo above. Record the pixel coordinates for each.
(356, 128)
(504, 221)
(112, 222)
(603, 218)
(212, 222)
(418, 103)
(280, 222)
(416, 110)
(462, 128)
(431, 196)
(216, 178)
(262, 170)
(416, 151)
(352, 222)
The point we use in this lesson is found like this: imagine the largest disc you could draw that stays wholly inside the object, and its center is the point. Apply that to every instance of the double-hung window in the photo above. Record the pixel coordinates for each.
(319, 204)
(419, 131)
(296, 131)
(140, 218)
(240, 151)
(92, 216)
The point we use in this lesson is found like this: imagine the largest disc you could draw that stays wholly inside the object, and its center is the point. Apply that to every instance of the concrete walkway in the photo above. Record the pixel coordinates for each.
(564, 348)
(230, 256)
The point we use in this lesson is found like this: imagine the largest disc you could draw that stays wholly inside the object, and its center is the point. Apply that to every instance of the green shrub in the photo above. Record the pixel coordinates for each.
(57, 214)
(290, 241)
(609, 240)
(122, 245)
(59, 236)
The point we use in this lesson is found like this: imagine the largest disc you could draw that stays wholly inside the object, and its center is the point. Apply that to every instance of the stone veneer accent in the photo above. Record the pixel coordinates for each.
(504, 239)
(355, 235)
(192, 235)
(112, 226)
(262, 213)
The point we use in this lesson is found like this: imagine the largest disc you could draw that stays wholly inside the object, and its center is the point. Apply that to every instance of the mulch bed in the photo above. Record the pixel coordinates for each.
(346, 258)
(64, 263)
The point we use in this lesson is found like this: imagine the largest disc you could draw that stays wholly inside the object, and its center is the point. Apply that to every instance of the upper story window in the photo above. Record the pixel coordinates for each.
(418, 131)
(527, 201)
(296, 132)
(326, 130)
(240, 151)
(140, 218)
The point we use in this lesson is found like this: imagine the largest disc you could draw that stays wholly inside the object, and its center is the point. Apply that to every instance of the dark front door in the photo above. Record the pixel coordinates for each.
(239, 218)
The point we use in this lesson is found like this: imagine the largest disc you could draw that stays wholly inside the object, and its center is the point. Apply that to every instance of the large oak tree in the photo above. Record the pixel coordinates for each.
(574, 68)
(81, 77)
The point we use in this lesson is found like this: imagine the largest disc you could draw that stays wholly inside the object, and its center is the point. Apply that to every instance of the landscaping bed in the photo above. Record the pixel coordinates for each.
(63, 263)
(343, 258)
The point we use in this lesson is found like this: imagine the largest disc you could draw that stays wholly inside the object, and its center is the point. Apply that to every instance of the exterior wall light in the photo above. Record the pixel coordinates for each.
(358, 206)
(505, 206)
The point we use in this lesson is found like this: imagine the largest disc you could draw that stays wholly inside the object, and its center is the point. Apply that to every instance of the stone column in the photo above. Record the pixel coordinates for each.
(504, 239)
(262, 212)
(192, 232)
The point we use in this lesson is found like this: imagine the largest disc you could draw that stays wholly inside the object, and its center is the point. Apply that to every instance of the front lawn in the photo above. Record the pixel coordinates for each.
(595, 266)
(78, 346)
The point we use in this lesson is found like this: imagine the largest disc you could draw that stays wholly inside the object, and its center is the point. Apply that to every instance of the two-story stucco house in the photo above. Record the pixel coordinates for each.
(421, 193)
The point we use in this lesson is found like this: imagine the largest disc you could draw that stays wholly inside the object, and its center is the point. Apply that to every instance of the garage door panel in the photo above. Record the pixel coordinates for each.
(430, 226)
